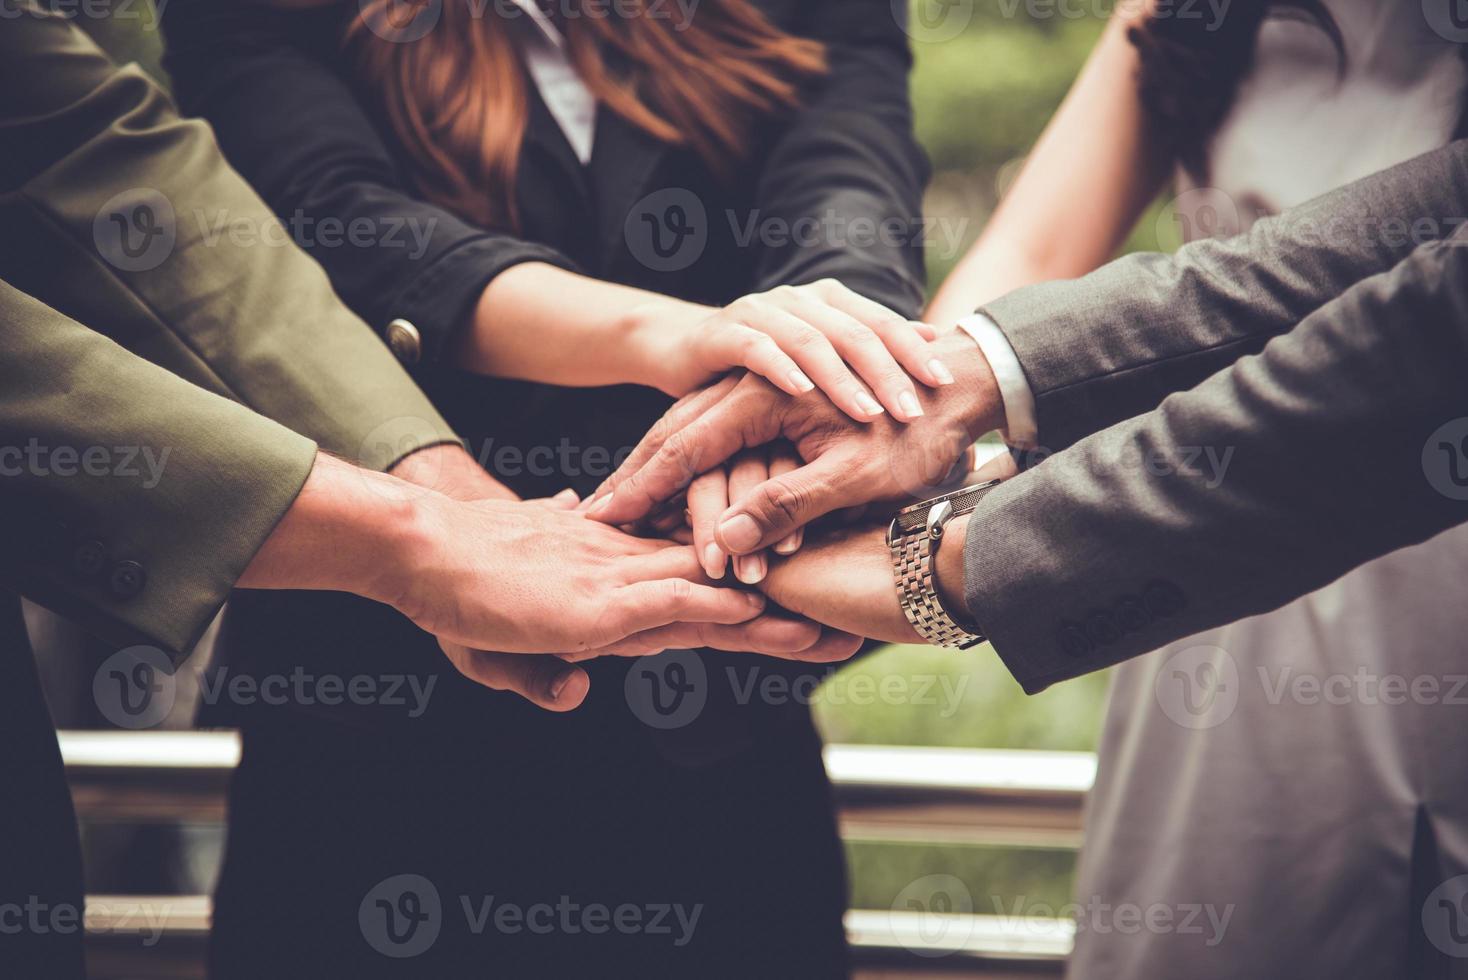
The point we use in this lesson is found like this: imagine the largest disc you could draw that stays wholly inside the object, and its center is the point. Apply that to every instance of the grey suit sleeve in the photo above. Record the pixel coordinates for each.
(1342, 440)
(1113, 344)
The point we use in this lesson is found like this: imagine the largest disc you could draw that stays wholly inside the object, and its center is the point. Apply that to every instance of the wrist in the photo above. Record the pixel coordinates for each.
(974, 399)
(655, 343)
(348, 530)
(948, 571)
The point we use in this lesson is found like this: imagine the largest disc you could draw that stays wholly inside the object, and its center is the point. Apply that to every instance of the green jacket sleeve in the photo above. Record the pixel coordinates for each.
(130, 499)
(123, 216)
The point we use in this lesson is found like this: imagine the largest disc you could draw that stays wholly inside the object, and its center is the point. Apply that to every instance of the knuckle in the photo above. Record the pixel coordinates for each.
(786, 501)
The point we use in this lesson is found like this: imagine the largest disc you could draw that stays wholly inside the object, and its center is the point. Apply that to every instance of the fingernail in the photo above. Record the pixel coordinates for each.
(755, 600)
(567, 494)
(558, 686)
(740, 533)
(790, 545)
(600, 507)
(713, 560)
(940, 371)
(908, 402)
(868, 404)
(799, 380)
(750, 569)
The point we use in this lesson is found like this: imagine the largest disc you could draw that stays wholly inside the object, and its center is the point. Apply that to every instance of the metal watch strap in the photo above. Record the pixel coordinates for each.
(913, 549)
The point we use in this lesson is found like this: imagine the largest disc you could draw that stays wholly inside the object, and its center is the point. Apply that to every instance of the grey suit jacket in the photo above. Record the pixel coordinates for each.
(1242, 423)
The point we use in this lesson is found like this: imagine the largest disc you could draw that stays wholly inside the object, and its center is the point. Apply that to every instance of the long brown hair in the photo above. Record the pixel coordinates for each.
(456, 97)
(1191, 68)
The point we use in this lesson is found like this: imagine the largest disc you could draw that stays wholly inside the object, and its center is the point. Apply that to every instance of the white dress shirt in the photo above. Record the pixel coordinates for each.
(566, 96)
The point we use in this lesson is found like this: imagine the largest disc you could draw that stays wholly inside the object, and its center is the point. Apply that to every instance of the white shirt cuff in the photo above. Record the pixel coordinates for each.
(1019, 401)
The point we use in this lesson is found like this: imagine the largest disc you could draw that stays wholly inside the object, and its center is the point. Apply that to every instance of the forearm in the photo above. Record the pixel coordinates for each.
(1156, 324)
(537, 322)
(1270, 479)
(348, 530)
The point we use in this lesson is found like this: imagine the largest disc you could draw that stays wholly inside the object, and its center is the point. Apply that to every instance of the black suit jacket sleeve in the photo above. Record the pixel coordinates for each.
(285, 119)
(849, 165)
(1343, 439)
(1114, 343)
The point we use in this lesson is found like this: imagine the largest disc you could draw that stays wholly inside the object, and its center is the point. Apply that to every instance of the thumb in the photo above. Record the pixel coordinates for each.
(783, 504)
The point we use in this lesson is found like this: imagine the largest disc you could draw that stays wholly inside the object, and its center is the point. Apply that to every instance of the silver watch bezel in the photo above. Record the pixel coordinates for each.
(913, 538)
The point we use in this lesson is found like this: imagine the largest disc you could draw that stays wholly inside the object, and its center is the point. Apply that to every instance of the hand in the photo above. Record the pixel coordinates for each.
(799, 338)
(846, 464)
(844, 580)
(709, 495)
(450, 470)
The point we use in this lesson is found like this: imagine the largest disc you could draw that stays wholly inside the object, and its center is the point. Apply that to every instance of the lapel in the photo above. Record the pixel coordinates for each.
(623, 158)
(544, 134)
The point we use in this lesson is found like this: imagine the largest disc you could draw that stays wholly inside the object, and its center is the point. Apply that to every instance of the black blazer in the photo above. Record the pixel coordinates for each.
(732, 808)
(278, 92)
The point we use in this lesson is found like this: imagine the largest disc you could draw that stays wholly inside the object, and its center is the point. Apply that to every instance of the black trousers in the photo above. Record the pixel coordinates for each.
(41, 891)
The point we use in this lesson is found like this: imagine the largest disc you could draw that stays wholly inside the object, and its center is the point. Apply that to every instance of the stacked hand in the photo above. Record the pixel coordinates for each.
(844, 464)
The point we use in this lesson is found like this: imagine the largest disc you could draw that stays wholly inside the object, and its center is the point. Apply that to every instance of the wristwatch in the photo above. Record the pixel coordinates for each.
(914, 537)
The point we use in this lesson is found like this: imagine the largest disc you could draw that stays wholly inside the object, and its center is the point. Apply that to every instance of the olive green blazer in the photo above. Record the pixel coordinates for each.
(169, 360)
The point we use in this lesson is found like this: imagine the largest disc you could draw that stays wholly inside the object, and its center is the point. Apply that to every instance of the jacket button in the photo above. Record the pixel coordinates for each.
(89, 558)
(1132, 614)
(1073, 640)
(405, 341)
(1163, 598)
(1102, 628)
(127, 579)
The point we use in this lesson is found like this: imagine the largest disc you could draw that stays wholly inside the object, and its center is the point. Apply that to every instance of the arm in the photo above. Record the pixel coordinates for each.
(115, 543)
(498, 304)
(1155, 324)
(1128, 541)
(98, 153)
(1328, 433)
(1059, 221)
(850, 151)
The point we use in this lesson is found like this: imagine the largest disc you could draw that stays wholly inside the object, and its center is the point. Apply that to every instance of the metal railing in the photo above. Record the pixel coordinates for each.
(884, 794)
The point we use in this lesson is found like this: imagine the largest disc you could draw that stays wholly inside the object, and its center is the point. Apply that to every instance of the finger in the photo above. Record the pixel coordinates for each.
(781, 636)
(785, 316)
(708, 497)
(565, 500)
(543, 680)
(650, 604)
(684, 411)
(861, 347)
(1001, 467)
(781, 504)
(906, 339)
(749, 470)
(740, 345)
(700, 446)
(784, 460)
